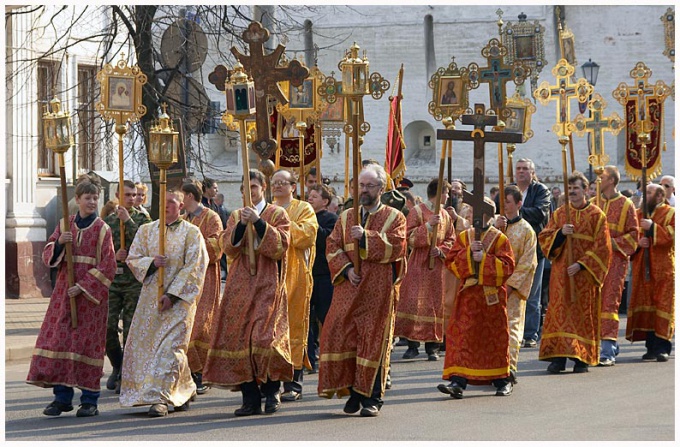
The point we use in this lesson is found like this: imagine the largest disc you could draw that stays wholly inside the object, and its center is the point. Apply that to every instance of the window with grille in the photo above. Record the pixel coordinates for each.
(88, 139)
(49, 84)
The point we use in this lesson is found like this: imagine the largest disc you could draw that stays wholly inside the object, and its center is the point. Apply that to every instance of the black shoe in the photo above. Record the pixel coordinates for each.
(117, 390)
(291, 396)
(272, 403)
(370, 411)
(248, 410)
(505, 390)
(402, 342)
(433, 356)
(410, 353)
(56, 408)
(649, 355)
(663, 357)
(580, 368)
(453, 389)
(158, 410)
(87, 410)
(185, 405)
(113, 378)
(202, 389)
(353, 404)
(555, 367)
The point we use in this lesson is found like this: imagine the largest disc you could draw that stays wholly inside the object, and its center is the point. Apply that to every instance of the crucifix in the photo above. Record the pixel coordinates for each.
(497, 74)
(476, 199)
(596, 125)
(265, 73)
(562, 93)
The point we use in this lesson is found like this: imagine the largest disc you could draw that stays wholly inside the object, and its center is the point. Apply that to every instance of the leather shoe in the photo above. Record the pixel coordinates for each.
(291, 396)
(353, 404)
(113, 378)
(158, 410)
(580, 368)
(555, 367)
(649, 355)
(248, 410)
(56, 408)
(370, 411)
(433, 356)
(87, 410)
(453, 389)
(607, 362)
(410, 353)
(505, 390)
(663, 357)
(272, 403)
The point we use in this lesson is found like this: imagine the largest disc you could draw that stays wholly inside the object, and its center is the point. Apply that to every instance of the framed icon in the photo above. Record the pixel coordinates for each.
(121, 92)
(301, 97)
(519, 112)
(450, 89)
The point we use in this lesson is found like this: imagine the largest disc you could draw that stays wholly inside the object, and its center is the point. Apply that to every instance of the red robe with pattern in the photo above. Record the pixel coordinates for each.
(477, 339)
(67, 356)
(250, 340)
(623, 229)
(356, 338)
(572, 328)
(652, 304)
(420, 312)
(208, 304)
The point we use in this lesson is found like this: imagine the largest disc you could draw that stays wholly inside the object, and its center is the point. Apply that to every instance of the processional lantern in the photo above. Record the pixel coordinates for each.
(355, 73)
(240, 92)
(58, 139)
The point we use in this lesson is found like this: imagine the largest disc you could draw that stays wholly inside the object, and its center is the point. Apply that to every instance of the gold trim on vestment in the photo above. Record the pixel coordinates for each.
(569, 335)
(68, 356)
(100, 276)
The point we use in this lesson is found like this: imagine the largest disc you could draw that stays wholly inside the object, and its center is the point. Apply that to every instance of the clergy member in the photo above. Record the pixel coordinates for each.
(301, 255)
(356, 337)
(155, 366)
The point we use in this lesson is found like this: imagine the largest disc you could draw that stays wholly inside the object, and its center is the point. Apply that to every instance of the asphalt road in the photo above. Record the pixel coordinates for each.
(632, 401)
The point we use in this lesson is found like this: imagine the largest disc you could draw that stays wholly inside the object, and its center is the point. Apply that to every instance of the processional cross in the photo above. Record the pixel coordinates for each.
(596, 125)
(476, 199)
(265, 73)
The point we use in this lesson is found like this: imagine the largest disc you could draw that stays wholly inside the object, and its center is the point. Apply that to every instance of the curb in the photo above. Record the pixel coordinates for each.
(21, 349)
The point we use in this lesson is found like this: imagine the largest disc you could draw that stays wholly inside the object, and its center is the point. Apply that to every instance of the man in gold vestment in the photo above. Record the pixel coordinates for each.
(356, 338)
(301, 254)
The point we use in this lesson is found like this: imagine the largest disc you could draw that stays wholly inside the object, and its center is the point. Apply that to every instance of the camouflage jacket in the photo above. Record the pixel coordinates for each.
(124, 276)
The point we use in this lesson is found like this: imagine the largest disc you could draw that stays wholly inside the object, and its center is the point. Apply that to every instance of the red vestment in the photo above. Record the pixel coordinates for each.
(572, 328)
(652, 304)
(208, 304)
(67, 356)
(356, 338)
(477, 339)
(250, 340)
(420, 312)
(623, 229)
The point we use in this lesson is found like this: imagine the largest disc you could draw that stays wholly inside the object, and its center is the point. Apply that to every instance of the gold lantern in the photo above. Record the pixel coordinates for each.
(240, 92)
(355, 73)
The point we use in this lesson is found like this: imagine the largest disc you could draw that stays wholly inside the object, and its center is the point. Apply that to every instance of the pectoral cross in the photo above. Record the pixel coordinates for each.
(476, 199)
(262, 68)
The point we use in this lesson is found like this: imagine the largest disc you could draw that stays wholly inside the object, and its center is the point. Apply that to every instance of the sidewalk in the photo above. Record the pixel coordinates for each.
(23, 318)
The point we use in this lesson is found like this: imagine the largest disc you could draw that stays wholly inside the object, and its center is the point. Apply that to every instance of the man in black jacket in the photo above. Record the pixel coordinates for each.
(535, 210)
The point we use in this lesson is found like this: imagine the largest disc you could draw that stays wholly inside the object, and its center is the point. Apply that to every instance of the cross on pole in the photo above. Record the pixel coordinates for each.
(596, 125)
(476, 199)
(262, 68)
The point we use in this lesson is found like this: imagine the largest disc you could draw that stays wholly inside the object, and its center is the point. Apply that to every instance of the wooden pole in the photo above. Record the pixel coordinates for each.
(302, 130)
(279, 133)
(161, 230)
(511, 149)
(645, 139)
(571, 284)
(66, 227)
(448, 123)
(318, 146)
(571, 153)
(247, 200)
(449, 201)
(348, 119)
(355, 179)
(121, 129)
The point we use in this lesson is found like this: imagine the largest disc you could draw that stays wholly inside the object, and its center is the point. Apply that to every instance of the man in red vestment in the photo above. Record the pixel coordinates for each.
(652, 303)
(623, 229)
(477, 335)
(356, 338)
(572, 328)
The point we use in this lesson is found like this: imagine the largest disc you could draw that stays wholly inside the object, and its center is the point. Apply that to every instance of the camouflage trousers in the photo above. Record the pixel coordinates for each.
(122, 305)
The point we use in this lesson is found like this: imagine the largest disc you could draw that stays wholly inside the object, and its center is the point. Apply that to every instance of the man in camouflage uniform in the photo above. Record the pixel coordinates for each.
(125, 289)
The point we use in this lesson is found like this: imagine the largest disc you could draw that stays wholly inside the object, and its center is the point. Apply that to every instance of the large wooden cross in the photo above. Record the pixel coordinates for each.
(497, 74)
(479, 120)
(265, 73)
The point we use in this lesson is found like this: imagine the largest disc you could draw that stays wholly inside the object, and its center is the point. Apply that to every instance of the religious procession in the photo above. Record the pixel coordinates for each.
(324, 263)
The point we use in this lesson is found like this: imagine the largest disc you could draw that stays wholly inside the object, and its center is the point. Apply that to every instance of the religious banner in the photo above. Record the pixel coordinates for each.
(290, 143)
(633, 162)
(394, 148)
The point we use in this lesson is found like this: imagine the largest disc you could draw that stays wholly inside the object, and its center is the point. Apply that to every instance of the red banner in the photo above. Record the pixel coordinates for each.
(394, 149)
(634, 149)
(290, 143)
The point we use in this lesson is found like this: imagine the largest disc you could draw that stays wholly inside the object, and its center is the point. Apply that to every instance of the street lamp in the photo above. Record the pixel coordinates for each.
(590, 71)
(163, 153)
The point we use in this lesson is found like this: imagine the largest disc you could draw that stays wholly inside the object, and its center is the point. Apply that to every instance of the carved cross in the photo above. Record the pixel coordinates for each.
(597, 124)
(265, 73)
(479, 120)
(497, 74)
(563, 92)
